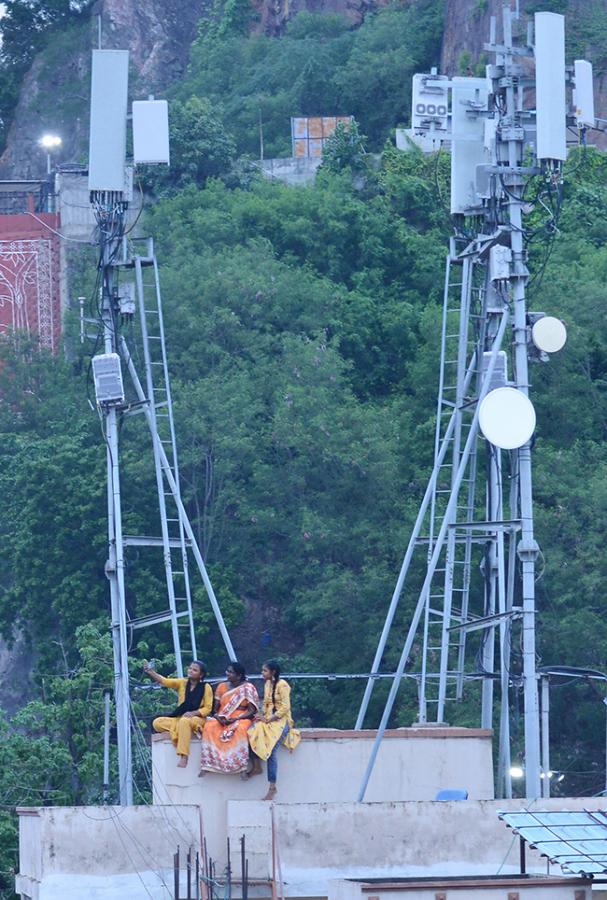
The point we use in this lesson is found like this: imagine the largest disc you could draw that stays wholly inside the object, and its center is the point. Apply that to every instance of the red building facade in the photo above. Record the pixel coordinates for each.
(30, 285)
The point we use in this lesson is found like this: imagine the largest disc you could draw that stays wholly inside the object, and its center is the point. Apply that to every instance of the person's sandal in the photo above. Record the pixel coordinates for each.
(272, 791)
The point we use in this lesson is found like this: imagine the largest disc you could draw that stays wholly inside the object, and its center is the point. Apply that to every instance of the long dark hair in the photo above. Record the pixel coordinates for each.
(203, 674)
(238, 668)
(202, 667)
(274, 666)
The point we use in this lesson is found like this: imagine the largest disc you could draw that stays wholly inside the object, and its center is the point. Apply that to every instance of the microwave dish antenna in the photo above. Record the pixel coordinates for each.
(507, 418)
(549, 334)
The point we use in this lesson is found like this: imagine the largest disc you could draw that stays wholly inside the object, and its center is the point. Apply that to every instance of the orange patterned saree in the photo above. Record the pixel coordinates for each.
(225, 748)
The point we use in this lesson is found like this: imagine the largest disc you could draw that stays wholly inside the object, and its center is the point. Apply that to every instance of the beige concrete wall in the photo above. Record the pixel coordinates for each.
(328, 766)
(111, 853)
(72, 853)
(291, 170)
(77, 219)
(318, 842)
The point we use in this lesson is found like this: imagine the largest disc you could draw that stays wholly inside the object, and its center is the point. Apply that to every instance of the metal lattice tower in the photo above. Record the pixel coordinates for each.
(176, 540)
(475, 522)
(128, 290)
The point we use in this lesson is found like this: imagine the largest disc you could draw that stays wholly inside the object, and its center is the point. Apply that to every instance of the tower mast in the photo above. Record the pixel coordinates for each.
(465, 614)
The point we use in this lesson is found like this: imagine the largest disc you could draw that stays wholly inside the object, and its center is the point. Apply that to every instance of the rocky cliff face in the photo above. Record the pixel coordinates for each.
(158, 34)
(275, 14)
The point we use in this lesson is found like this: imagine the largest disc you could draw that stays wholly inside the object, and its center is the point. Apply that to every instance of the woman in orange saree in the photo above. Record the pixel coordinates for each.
(225, 747)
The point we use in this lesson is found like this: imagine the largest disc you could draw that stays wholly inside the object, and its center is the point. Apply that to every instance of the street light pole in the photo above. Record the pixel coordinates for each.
(49, 142)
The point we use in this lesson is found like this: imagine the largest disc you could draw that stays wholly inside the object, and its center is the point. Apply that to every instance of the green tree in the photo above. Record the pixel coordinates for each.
(201, 148)
(345, 149)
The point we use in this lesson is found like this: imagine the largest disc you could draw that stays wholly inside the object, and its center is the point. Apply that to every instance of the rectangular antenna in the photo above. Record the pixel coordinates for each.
(468, 98)
(107, 147)
(583, 93)
(151, 131)
(107, 375)
(550, 86)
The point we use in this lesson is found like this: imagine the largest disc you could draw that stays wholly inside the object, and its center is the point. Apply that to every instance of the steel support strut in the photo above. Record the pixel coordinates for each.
(472, 436)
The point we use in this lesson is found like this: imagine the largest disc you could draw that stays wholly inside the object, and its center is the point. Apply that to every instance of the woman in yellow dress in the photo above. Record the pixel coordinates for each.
(273, 726)
(195, 700)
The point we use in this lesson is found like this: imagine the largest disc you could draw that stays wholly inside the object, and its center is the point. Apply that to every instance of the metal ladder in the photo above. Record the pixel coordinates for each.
(172, 540)
(448, 598)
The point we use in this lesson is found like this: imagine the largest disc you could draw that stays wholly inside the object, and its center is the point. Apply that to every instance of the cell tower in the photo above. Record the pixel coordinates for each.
(507, 133)
(129, 286)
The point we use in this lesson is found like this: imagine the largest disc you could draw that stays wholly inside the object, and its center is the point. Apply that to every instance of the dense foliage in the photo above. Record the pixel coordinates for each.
(321, 66)
(302, 326)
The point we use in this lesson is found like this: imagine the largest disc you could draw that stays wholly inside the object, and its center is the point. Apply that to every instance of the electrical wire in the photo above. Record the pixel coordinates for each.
(514, 837)
(156, 781)
(127, 851)
(54, 230)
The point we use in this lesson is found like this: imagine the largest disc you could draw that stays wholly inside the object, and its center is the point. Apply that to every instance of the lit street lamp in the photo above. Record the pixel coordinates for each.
(49, 142)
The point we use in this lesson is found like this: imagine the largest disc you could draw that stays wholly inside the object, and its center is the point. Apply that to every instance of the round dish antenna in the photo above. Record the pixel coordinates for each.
(549, 334)
(507, 418)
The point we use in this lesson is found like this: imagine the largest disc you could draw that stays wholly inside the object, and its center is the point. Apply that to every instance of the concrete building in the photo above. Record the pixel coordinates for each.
(315, 840)
(31, 296)
(91, 852)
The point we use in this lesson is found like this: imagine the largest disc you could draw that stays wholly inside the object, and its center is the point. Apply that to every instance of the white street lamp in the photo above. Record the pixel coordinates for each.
(49, 142)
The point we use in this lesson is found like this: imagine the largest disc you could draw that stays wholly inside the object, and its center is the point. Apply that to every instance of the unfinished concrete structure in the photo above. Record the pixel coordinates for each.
(317, 840)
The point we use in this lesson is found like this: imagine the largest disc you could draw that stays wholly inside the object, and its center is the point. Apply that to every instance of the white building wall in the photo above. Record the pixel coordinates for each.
(316, 832)
(102, 852)
(328, 766)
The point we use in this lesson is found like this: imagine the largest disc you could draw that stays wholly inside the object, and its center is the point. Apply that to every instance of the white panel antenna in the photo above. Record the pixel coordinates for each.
(430, 108)
(500, 371)
(550, 86)
(583, 93)
(107, 147)
(469, 96)
(151, 131)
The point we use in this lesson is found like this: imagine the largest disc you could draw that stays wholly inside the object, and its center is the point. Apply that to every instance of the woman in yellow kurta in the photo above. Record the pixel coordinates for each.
(274, 726)
(195, 704)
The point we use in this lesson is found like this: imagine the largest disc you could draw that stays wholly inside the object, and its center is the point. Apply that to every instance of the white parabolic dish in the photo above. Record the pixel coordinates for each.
(507, 418)
(549, 334)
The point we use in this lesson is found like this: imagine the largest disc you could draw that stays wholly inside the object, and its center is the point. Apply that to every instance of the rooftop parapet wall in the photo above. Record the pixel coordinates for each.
(70, 853)
(492, 888)
(328, 767)
(320, 842)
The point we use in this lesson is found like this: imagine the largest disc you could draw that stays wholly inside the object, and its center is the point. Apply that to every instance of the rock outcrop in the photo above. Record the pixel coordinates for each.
(159, 34)
(55, 97)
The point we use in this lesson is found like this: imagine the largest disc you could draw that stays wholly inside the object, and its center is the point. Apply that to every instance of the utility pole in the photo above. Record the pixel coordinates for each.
(115, 563)
(129, 283)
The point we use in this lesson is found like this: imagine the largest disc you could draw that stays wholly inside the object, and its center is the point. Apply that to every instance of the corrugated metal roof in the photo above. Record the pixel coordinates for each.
(576, 841)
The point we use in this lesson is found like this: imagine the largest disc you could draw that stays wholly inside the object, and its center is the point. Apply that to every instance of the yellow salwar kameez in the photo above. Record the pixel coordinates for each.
(181, 728)
(263, 736)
